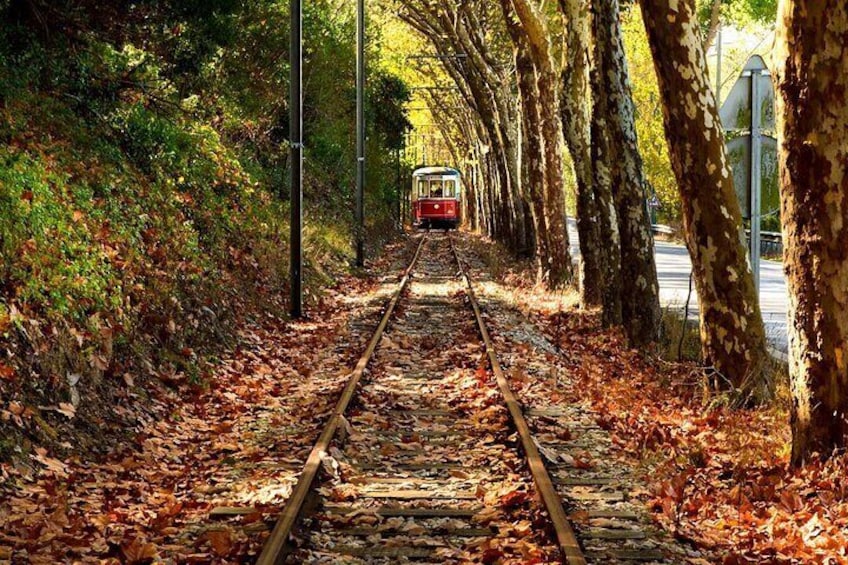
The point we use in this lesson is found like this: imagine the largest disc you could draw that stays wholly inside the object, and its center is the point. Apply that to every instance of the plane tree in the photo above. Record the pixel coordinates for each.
(731, 325)
(614, 108)
(532, 41)
(812, 116)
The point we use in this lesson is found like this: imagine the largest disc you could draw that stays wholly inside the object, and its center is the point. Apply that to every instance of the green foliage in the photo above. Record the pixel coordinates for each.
(144, 152)
(387, 98)
(738, 13)
(649, 120)
(741, 13)
(48, 255)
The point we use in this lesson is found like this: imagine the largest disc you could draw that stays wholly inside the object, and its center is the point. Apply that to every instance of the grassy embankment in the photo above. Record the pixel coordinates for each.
(142, 154)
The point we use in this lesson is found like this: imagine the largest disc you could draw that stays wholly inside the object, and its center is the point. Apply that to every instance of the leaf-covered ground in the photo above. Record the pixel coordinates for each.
(206, 466)
(718, 478)
(428, 430)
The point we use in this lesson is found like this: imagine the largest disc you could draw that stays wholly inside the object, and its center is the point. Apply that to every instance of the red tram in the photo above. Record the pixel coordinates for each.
(435, 197)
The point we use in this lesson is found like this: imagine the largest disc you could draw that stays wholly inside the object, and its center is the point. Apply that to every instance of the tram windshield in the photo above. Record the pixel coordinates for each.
(436, 188)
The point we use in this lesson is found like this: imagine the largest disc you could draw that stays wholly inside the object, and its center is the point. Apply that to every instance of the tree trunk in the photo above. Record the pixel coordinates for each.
(558, 266)
(488, 199)
(474, 45)
(511, 128)
(611, 314)
(640, 303)
(442, 24)
(532, 156)
(576, 123)
(732, 334)
(556, 261)
(713, 25)
(812, 116)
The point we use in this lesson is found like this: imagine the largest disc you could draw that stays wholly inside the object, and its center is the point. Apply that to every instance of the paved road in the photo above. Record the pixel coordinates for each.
(674, 266)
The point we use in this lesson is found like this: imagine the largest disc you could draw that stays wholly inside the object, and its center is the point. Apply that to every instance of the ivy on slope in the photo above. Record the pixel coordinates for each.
(143, 159)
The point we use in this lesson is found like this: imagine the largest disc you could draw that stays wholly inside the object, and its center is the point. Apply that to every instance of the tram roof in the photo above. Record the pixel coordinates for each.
(442, 171)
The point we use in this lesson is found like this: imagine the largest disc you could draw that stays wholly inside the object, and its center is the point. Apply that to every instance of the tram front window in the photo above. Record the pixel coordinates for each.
(437, 188)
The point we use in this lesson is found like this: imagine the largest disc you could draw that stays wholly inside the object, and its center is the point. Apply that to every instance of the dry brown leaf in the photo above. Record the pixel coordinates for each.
(221, 541)
(67, 409)
(139, 552)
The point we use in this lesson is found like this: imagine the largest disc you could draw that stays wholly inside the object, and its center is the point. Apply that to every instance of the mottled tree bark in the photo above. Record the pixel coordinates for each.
(576, 112)
(732, 334)
(812, 112)
(532, 153)
(474, 44)
(640, 304)
(600, 151)
(556, 261)
(489, 196)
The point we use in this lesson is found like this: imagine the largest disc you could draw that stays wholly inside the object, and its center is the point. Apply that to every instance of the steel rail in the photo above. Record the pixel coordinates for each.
(273, 552)
(566, 539)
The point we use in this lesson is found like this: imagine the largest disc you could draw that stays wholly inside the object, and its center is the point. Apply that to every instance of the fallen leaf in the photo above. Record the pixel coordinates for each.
(6, 372)
(140, 552)
(67, 409)
(221, 541)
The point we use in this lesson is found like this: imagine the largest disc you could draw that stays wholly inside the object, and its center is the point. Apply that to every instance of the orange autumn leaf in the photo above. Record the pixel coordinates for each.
(140, 552)
(221, 541)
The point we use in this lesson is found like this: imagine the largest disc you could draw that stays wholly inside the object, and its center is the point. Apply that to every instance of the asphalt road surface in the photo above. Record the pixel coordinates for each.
(674, 266)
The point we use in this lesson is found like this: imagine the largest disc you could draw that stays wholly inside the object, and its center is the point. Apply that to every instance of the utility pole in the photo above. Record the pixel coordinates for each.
(756, 171)
(399, 191)
(423, 150)
(360, 133)
(296, 140)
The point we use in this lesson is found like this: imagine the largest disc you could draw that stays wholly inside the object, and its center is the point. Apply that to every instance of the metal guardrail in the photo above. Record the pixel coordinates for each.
(662, 229)
(771, 242)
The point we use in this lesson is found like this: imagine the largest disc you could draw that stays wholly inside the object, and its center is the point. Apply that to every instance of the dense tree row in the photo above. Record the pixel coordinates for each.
(731, 324)
(535, 75)
(526, 112)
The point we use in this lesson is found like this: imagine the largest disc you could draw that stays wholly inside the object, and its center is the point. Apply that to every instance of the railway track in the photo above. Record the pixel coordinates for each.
(429, 458)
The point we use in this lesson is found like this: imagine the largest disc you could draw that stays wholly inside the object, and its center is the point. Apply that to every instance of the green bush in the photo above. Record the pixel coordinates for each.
(144, 158)
(50, 258)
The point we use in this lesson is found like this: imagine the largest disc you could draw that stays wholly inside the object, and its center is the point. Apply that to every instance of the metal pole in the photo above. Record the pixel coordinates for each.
(296, 140)
(718, 68)
(756, 176)
(398, 188)
(360, 132)
(402, 187)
